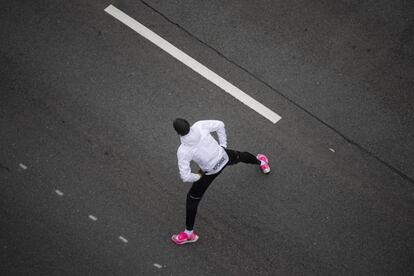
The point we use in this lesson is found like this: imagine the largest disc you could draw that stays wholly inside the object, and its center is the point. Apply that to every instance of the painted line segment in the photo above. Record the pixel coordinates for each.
(123, 239)
(193, 64)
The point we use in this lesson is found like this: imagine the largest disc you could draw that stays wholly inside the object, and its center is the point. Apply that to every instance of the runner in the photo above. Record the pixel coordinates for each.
(198, 145)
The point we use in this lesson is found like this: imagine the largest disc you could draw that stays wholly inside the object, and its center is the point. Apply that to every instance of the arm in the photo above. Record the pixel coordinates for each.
(218, 127)
(184, 167)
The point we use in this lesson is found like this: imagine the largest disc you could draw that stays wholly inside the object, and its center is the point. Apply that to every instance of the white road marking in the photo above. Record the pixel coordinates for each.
(23, 166)
(59, 193)
(158, 265)
(93, 218)
(193, 64)
(331, 149)
(123, 239)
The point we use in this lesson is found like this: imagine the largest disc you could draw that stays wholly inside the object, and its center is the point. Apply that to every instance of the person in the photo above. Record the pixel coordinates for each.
(198, 145)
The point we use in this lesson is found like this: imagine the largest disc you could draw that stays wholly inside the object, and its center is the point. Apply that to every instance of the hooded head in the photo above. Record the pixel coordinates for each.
(181, 126)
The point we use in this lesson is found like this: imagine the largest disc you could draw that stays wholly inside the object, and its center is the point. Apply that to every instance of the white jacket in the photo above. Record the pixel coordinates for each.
(198, 145)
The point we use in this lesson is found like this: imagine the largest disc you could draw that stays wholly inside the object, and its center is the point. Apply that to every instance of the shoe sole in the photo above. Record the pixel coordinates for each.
(266, 160)
(265, 157)
(184, 242)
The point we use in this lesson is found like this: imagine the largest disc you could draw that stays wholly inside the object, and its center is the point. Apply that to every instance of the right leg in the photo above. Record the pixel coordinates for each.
(246, 157)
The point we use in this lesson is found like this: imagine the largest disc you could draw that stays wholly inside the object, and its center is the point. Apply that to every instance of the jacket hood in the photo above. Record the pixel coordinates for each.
(192, 138)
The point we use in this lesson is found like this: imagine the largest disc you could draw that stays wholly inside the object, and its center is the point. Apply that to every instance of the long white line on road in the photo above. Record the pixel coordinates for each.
(193, 64)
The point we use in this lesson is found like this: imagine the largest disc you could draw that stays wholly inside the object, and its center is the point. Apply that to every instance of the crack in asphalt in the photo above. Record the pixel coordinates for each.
(343, 136)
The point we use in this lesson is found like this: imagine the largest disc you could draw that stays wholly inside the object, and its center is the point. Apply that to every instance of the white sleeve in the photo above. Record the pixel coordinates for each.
(184, 167)
(218, 127)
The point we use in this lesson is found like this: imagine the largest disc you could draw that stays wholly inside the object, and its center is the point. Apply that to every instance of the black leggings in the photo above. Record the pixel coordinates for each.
(199, 187)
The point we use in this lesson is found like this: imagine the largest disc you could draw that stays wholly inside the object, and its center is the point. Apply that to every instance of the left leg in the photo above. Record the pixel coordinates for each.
(194, 197)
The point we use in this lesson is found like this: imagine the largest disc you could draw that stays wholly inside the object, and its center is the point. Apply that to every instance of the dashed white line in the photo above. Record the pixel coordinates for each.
(193, 64)
(93, 218)
(158, 265)
(23, 166)
(331, 149)
(123, 239)
(59, 193)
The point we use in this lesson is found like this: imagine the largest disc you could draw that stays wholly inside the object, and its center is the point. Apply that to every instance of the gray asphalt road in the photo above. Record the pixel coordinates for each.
(86, 107)
(347, 63)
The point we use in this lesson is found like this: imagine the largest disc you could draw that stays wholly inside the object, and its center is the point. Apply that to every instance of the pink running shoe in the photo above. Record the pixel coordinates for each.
(265, 167)
(183, 238)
